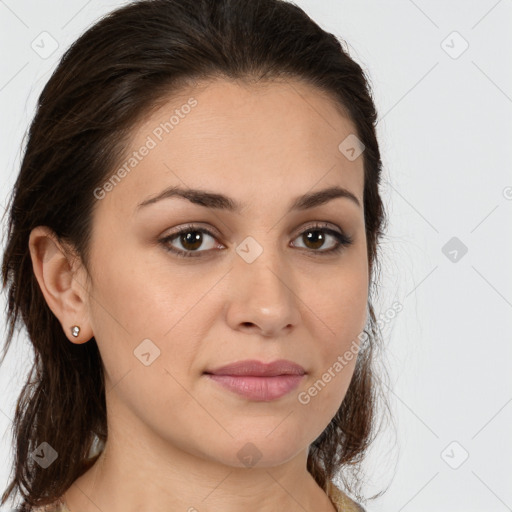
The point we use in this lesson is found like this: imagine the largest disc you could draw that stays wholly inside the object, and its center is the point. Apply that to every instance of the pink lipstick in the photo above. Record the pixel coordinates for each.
(259, 381)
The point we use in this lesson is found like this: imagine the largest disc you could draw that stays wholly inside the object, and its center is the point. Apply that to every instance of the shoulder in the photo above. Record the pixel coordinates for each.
(341, 501)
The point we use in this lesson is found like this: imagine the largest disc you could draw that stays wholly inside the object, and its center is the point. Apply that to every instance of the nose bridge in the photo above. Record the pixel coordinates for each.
(265, 284)
(260, 258)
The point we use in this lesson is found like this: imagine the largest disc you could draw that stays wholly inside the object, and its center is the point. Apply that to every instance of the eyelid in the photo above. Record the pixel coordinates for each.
(320, 224)
(193, 226)
(211, 230)
(342, 239)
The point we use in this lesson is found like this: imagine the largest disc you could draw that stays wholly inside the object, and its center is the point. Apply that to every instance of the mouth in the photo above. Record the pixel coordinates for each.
(254, 368)
(258, 381)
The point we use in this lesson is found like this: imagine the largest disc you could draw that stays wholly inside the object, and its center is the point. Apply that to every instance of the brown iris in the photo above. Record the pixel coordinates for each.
(317, 238)
(191, 240)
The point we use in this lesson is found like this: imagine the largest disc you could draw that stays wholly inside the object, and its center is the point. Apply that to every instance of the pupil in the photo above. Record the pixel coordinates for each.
(191, 238)
(316, 240)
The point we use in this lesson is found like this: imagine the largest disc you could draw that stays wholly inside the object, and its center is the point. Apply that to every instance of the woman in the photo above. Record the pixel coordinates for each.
(192, 246)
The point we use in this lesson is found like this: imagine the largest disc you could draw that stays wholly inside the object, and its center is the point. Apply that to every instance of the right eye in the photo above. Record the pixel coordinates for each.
(190, 238)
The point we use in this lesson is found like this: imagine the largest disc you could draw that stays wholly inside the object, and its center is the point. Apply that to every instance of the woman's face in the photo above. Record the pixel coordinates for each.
(260, 284)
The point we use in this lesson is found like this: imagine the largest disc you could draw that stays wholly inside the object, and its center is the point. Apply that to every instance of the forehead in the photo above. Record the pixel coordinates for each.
(250, 141)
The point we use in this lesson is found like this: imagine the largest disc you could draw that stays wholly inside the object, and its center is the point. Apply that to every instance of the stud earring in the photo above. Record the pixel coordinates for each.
(75, 330)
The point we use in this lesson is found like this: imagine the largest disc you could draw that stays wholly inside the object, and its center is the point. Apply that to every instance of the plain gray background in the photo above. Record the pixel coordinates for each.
(442, 81)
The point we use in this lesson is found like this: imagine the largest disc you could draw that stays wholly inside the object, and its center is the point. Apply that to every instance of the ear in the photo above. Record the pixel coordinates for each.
(63, 286)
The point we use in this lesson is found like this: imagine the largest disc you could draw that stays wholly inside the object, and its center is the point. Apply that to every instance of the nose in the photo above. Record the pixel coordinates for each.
(264, 298)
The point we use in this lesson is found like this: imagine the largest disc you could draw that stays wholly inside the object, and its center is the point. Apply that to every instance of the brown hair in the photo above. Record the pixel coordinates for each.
(109, 79)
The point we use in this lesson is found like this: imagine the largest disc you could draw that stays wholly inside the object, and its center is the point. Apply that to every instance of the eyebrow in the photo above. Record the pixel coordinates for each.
(222, 202)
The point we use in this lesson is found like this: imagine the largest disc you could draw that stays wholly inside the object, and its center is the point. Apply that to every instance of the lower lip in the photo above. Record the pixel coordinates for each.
(262, 389)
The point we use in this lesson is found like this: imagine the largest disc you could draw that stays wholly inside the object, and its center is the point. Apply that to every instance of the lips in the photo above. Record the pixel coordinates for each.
(256, 368)
(258, 389)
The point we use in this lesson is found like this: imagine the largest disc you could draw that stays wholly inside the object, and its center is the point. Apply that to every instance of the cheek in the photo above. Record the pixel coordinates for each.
(145, 312)
(340, 316)
(337, 354)
(324, 394)
(340, 304)
(136, 297)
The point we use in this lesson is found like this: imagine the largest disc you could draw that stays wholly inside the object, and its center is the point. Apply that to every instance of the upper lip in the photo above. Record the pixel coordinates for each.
(256, 368)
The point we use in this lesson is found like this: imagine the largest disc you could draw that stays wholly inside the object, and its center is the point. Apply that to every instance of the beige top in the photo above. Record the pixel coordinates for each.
(57, 506)
(339, 499)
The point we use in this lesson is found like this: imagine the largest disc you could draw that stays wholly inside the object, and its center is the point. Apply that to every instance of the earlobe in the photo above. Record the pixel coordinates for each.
(64, 294)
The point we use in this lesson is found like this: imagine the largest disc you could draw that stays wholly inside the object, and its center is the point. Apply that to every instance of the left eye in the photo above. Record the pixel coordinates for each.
(191, 238)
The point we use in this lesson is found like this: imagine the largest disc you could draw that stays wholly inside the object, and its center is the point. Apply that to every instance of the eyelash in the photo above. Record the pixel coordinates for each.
(341, 239)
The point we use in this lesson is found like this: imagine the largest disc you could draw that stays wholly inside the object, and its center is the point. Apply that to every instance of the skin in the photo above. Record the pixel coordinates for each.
(173, 434)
